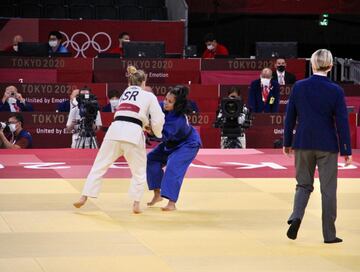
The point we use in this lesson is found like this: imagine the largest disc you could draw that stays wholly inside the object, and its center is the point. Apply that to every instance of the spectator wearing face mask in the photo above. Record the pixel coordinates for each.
(14, 47)
(213, 48)
(264, 93)
(280, 75)
(67, 105)
(114, 96)
(16, 137)
(123, 37)
(55, 46)
(13, 101)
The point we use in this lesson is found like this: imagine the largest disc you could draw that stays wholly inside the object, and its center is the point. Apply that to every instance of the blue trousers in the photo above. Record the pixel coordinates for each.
(177, 162)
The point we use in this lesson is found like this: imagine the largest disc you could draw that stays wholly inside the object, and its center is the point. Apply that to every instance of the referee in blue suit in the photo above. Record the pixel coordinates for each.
(318, 107)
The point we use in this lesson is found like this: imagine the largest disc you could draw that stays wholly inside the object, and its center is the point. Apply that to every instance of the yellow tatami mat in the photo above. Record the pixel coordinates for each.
(220, 225)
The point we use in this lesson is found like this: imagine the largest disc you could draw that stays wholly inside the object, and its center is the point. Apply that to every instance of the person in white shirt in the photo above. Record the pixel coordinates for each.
(282, 76)
(125, 137)
(81, 137)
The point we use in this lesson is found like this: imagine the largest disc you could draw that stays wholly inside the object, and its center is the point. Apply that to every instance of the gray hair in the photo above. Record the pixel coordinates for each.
(266, 72)
(321, 60)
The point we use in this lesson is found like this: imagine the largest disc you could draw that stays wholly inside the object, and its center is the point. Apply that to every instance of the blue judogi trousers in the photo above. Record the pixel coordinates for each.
(177, 162)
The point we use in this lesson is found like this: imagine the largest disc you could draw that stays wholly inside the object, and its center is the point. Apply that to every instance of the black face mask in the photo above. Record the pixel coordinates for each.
(281, 68)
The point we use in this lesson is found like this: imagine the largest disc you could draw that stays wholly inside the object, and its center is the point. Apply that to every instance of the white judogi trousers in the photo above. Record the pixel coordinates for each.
(109, 152)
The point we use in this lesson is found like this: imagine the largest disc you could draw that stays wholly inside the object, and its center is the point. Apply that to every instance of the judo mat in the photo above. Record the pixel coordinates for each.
(231, 216)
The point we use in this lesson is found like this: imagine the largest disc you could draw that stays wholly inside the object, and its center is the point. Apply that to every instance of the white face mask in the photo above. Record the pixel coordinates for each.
(53, 43)
(15, 47)
(74, 102)
(11, 100)
(265, 81)
(210, 47)
(126, 40)
(12, 127)
(114, 103)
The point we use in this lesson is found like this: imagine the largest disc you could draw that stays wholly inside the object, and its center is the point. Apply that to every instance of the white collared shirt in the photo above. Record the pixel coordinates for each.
(279, 75)
(320, 74)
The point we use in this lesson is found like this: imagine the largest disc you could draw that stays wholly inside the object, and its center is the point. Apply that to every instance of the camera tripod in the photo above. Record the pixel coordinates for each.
(230, 142)
(86, 138)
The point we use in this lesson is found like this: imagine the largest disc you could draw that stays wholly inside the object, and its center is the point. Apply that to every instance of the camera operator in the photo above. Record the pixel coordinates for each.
(67, 105)
(84, 120)
(12, 134)
(233, 117)
(13, 101)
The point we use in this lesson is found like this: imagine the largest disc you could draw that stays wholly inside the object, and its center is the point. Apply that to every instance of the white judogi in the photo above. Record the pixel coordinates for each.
(127, 139)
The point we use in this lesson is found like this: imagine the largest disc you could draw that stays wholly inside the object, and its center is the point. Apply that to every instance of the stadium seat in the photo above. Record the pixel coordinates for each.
(53, 2)
(56, 11)
(81, 11)
(126, 2)
(8, 10)
(22, 2)
(80, 2)
(131, 13)
(103, 2)
(152, 3)
(106, 12)
(155, 13)
(30, 10)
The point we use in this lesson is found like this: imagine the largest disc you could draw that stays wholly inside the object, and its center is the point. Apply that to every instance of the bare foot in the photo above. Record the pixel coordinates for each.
(157, 198)
(81, 202)
(136, 207)
(169, 207)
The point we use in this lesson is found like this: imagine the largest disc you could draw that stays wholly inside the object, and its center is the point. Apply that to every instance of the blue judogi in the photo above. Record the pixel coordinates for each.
(181, 143)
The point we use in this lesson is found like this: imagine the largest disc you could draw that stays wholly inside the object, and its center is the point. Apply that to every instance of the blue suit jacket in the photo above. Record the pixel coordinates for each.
(319, 106)
(255, 102)
(106, 108)
(23, 107)
(64, 106)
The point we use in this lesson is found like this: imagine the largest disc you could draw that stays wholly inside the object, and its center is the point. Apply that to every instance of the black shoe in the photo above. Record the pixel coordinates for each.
(336, 240)
(293, 229)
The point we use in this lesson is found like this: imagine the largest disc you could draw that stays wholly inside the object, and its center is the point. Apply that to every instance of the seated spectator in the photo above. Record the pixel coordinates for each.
(123, 37)
(280, 75)
(213, 48)
(68, 104)
(13, 101)
(114, 96)
(14, 47)
(17, 137)
(264, 93)
(55, 46)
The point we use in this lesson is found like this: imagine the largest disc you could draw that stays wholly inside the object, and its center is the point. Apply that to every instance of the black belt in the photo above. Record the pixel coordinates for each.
(129, 119)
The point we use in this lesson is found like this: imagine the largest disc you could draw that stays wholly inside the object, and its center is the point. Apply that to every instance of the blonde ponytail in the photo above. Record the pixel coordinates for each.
(135, 77)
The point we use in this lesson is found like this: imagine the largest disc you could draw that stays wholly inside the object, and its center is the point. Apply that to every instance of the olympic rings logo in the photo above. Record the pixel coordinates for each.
(80, 49)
